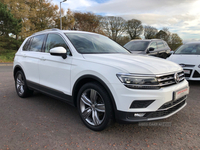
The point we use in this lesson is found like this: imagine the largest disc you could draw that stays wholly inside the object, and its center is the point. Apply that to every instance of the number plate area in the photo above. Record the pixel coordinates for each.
(186, 71)
(180, 93)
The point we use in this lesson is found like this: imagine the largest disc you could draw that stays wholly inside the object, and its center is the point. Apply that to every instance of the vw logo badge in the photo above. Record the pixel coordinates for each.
(176, 77)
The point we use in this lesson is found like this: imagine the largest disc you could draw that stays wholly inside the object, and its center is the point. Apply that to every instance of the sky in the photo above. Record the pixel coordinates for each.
(180, 16)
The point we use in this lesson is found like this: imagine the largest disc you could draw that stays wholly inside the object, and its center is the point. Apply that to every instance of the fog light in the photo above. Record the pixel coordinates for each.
(139, 114)
(199, 66)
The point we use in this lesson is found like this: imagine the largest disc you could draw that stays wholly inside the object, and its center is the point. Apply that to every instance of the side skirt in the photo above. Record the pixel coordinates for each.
(51, 92)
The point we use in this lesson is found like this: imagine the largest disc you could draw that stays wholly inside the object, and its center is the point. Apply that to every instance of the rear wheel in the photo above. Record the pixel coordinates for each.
(94, 106)
(21, 86)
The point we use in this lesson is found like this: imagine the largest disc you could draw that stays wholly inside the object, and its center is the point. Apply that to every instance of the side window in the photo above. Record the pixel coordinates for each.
(160, 44)
(36, 43)
(166, 44)
(153, 45)
(26, 45)
(55, 40)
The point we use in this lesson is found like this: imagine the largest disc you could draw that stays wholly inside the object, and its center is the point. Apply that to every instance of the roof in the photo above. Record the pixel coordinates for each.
(193, 42)
(61, 31)
(146, 40)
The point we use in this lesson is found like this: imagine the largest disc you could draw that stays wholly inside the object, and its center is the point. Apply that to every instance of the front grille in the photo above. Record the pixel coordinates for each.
(187, 65)
(189, 74)
(168, 80)
(196, 74)
(172, 103)
(164, 112)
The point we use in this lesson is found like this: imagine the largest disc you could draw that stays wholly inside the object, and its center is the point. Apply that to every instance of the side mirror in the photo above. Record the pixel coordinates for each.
(151, 49)
(59, 51)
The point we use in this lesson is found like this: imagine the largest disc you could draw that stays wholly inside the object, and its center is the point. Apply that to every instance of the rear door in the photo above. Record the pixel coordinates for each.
(31, 56)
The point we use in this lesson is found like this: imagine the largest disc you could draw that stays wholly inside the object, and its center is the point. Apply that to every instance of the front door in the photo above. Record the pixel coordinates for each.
(55, 72)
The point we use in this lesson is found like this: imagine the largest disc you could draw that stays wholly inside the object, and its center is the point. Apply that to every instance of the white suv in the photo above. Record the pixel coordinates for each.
(102, 79)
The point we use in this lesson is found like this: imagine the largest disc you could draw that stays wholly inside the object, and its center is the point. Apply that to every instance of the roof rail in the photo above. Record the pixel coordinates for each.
(53, 29)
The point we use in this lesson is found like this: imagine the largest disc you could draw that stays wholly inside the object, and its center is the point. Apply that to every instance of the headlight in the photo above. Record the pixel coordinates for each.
(136, 81)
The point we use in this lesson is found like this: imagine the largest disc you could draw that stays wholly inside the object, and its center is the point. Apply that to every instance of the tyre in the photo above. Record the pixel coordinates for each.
(94, 106)
(21, 86)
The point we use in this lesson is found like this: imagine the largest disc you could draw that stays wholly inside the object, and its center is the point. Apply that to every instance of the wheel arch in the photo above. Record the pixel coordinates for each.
(90, 78)
(16, 69)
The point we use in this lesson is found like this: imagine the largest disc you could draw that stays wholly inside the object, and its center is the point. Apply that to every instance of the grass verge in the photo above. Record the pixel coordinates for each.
(7, 56)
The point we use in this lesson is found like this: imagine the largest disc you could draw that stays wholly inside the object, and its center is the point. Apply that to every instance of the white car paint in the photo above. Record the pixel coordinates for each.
(61, 74)
(184, 60)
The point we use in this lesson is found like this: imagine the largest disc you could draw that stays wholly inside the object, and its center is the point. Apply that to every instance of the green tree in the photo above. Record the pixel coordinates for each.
(8, 24)
(175, 41)
(161, 35)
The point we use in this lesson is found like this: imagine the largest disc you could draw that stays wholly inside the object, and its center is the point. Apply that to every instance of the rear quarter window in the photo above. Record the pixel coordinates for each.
(26, 45)
(160, 44)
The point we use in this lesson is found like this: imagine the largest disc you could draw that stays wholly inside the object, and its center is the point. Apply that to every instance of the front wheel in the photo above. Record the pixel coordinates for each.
(94, 106)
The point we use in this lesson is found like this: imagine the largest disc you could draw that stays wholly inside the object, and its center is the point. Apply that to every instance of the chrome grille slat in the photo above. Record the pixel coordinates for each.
(182, 74)
(160, 80)
(164, 84)
(167, 80)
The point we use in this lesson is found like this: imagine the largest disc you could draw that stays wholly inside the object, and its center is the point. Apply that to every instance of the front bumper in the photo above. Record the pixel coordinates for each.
(192, 73)
(165, 111)
(158, 104)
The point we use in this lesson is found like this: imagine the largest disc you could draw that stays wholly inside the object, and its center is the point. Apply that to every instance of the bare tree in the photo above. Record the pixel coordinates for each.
(150, 32)
(134, 28)
(113, 26)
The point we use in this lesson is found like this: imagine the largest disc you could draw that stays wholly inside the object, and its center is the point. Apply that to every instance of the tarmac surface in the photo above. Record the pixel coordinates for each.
(41, 122)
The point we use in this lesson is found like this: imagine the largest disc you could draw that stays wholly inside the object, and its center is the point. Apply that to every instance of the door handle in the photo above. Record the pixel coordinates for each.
(24, 55)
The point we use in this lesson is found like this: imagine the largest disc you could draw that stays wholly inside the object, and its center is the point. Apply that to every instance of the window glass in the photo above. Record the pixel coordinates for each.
(165, 44)
(137, 45)
(26, 45)
(153, 45)
(189, 49)
(36, 43)
(55, 40)
(160, 44)
(86, 43)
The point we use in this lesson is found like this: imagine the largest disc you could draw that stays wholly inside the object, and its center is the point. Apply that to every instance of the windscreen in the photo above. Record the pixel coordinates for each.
(86, 43)
(137, 45)
(189, 49)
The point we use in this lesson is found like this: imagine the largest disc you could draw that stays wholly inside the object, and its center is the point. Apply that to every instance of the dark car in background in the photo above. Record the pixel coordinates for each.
(152, 47)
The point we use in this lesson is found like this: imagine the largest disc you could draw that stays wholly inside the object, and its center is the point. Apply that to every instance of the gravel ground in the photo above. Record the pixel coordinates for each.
(41, 122)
